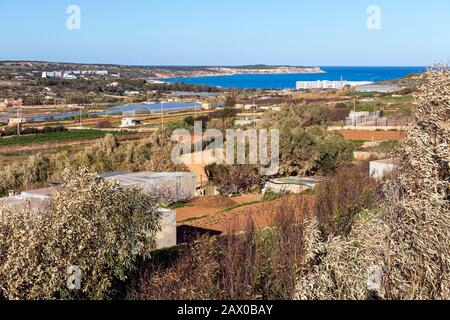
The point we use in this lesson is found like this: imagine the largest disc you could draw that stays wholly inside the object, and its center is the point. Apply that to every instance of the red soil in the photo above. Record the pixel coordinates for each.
(373, 135)
(261, 214)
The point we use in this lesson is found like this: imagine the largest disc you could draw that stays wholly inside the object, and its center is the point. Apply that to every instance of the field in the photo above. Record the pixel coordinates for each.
(56, 137)
(223, 215)
(362, 135)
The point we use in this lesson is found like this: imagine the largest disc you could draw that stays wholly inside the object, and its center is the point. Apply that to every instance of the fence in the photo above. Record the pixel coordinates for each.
(373, 121)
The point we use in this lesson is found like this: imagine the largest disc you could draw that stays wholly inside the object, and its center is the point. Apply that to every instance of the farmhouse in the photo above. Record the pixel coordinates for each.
(130, 122)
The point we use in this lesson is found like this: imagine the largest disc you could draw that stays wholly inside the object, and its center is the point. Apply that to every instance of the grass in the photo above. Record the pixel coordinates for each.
(193, 219)
(242, 205)
(177, 205)
(357, 143)
(407, 98)
(384, 147)
(57, 137)
(363, 94)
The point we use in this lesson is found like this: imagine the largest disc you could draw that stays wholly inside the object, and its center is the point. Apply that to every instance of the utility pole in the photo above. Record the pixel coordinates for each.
(254, 113)
(18, 121)
(81, 119)
(162, 115)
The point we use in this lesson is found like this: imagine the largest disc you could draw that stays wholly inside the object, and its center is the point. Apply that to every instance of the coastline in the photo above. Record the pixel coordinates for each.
(220, 73)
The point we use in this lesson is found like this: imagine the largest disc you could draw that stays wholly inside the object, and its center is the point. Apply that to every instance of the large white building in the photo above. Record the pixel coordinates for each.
(73, 74)
(327, 84)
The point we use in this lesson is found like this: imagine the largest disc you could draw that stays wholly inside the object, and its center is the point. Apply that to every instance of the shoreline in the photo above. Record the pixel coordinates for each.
(162, 78)
(227, 73)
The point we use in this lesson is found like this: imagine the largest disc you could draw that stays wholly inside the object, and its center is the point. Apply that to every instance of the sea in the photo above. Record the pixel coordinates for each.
(288, 81)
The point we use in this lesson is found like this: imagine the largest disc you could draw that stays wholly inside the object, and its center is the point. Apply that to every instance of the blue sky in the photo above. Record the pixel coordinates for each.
(231, 32)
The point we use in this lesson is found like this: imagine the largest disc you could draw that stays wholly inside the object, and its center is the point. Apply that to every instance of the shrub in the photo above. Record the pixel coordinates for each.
(90, 223)
(342, 197)
(104, 124)
(234, 180)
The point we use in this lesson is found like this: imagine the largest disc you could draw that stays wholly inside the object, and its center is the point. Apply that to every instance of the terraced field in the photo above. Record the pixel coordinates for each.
(236, 218)
(56, 137)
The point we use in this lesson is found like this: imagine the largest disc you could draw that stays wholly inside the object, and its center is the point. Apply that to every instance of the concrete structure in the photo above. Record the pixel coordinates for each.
(130, 122)
(357, 117)
(380, 168)
(35, 199)
(167, 237)
(327, 84)
(384, 88)
(168, 187)
(295, 185)
(16, 121)
(206, 106)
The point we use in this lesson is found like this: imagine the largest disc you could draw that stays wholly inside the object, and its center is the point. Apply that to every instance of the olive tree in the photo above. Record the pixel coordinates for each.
(91, 225)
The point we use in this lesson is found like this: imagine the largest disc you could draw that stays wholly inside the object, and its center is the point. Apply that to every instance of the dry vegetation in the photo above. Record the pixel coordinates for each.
(400, 235)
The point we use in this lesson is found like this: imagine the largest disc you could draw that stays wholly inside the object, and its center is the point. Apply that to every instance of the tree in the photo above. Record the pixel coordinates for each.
(234, 180)
(230, 102)
(90, 223)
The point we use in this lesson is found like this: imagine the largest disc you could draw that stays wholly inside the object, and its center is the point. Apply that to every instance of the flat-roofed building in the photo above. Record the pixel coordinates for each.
(16, 121)
(328, 84)
(130, 122)
(169, 187)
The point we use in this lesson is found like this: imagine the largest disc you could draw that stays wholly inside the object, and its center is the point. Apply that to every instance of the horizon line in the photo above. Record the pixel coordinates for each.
(211, 65)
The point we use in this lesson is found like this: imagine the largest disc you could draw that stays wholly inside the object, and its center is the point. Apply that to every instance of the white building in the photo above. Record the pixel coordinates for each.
(327, 84)
(130, 122)
(167, 187)
(16, 121)
(73, 74)
(132, 93)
